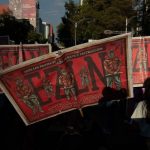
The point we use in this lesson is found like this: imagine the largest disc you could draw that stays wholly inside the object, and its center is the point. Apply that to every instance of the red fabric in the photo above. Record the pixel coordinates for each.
(140, 59)
(9, 56)
(15, 54)
(33, 51)
(72, 81)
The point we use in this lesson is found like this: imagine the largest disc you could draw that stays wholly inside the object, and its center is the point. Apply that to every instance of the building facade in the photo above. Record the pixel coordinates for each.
(47, 30)
(26, 9)
(81, 2)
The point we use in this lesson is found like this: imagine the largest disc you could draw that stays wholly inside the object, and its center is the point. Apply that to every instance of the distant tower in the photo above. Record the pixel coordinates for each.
(16, 7)
(138, 6)
(81, 2)
(26, 9)
(37, 16)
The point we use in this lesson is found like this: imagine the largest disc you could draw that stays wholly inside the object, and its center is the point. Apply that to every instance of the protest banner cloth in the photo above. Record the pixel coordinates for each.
(11, 55)
(35, 50)
(140, 60)
(56, 83)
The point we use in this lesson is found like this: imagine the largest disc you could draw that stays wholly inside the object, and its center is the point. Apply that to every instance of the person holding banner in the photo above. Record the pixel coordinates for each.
(141, 115)
(112, 66)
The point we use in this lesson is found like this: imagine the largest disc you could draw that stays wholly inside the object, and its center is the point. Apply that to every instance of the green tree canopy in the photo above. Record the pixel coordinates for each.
(19, 30)
(92, 19)
(146, 18)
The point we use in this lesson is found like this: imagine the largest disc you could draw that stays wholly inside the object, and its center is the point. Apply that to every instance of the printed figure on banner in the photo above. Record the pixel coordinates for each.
(84, 75)
(47, 86)
(112, 67)
(66, 80)
(142, 61)
(25, 93)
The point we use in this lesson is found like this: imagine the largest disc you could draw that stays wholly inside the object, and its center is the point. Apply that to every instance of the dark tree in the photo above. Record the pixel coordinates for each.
(146, 18)
(18, 30)
(92, 19)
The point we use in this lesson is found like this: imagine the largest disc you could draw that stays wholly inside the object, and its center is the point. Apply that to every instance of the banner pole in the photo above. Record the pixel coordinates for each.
(20, 52)
(81, 112)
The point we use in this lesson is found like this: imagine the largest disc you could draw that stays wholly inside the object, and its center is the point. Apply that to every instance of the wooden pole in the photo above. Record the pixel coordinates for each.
(81, 112)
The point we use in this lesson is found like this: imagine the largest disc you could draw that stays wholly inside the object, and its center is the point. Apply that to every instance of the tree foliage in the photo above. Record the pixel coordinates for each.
(93, 18)
(19, 30)
(146, 18)
(35, 37)
(66, 28)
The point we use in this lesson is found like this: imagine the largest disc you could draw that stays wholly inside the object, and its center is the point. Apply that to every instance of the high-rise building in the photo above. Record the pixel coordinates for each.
(26, 9)
(47, 31)
(81, 2)
(139, 6)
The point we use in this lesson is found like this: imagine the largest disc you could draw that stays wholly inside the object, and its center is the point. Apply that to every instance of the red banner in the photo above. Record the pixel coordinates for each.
(32, 51)
(140, 59)
(53, 84)
(11, 55)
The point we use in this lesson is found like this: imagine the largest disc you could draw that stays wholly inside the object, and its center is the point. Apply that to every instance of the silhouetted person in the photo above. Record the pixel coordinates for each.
(70, 140)
(141, 115)
(108, 94)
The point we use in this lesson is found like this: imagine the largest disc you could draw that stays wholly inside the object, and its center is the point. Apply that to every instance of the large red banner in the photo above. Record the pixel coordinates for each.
(140, 59)
(47, 86)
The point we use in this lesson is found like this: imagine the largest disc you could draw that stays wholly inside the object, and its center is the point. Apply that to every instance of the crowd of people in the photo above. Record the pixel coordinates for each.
(116, 122)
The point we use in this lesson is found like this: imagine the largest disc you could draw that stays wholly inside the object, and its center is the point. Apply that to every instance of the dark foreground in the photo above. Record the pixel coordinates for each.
(69, 131)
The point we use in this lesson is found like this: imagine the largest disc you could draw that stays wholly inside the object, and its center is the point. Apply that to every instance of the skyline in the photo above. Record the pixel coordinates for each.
(50, 11)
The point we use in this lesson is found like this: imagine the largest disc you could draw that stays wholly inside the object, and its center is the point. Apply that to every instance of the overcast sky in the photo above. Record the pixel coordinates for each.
(51, 11)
